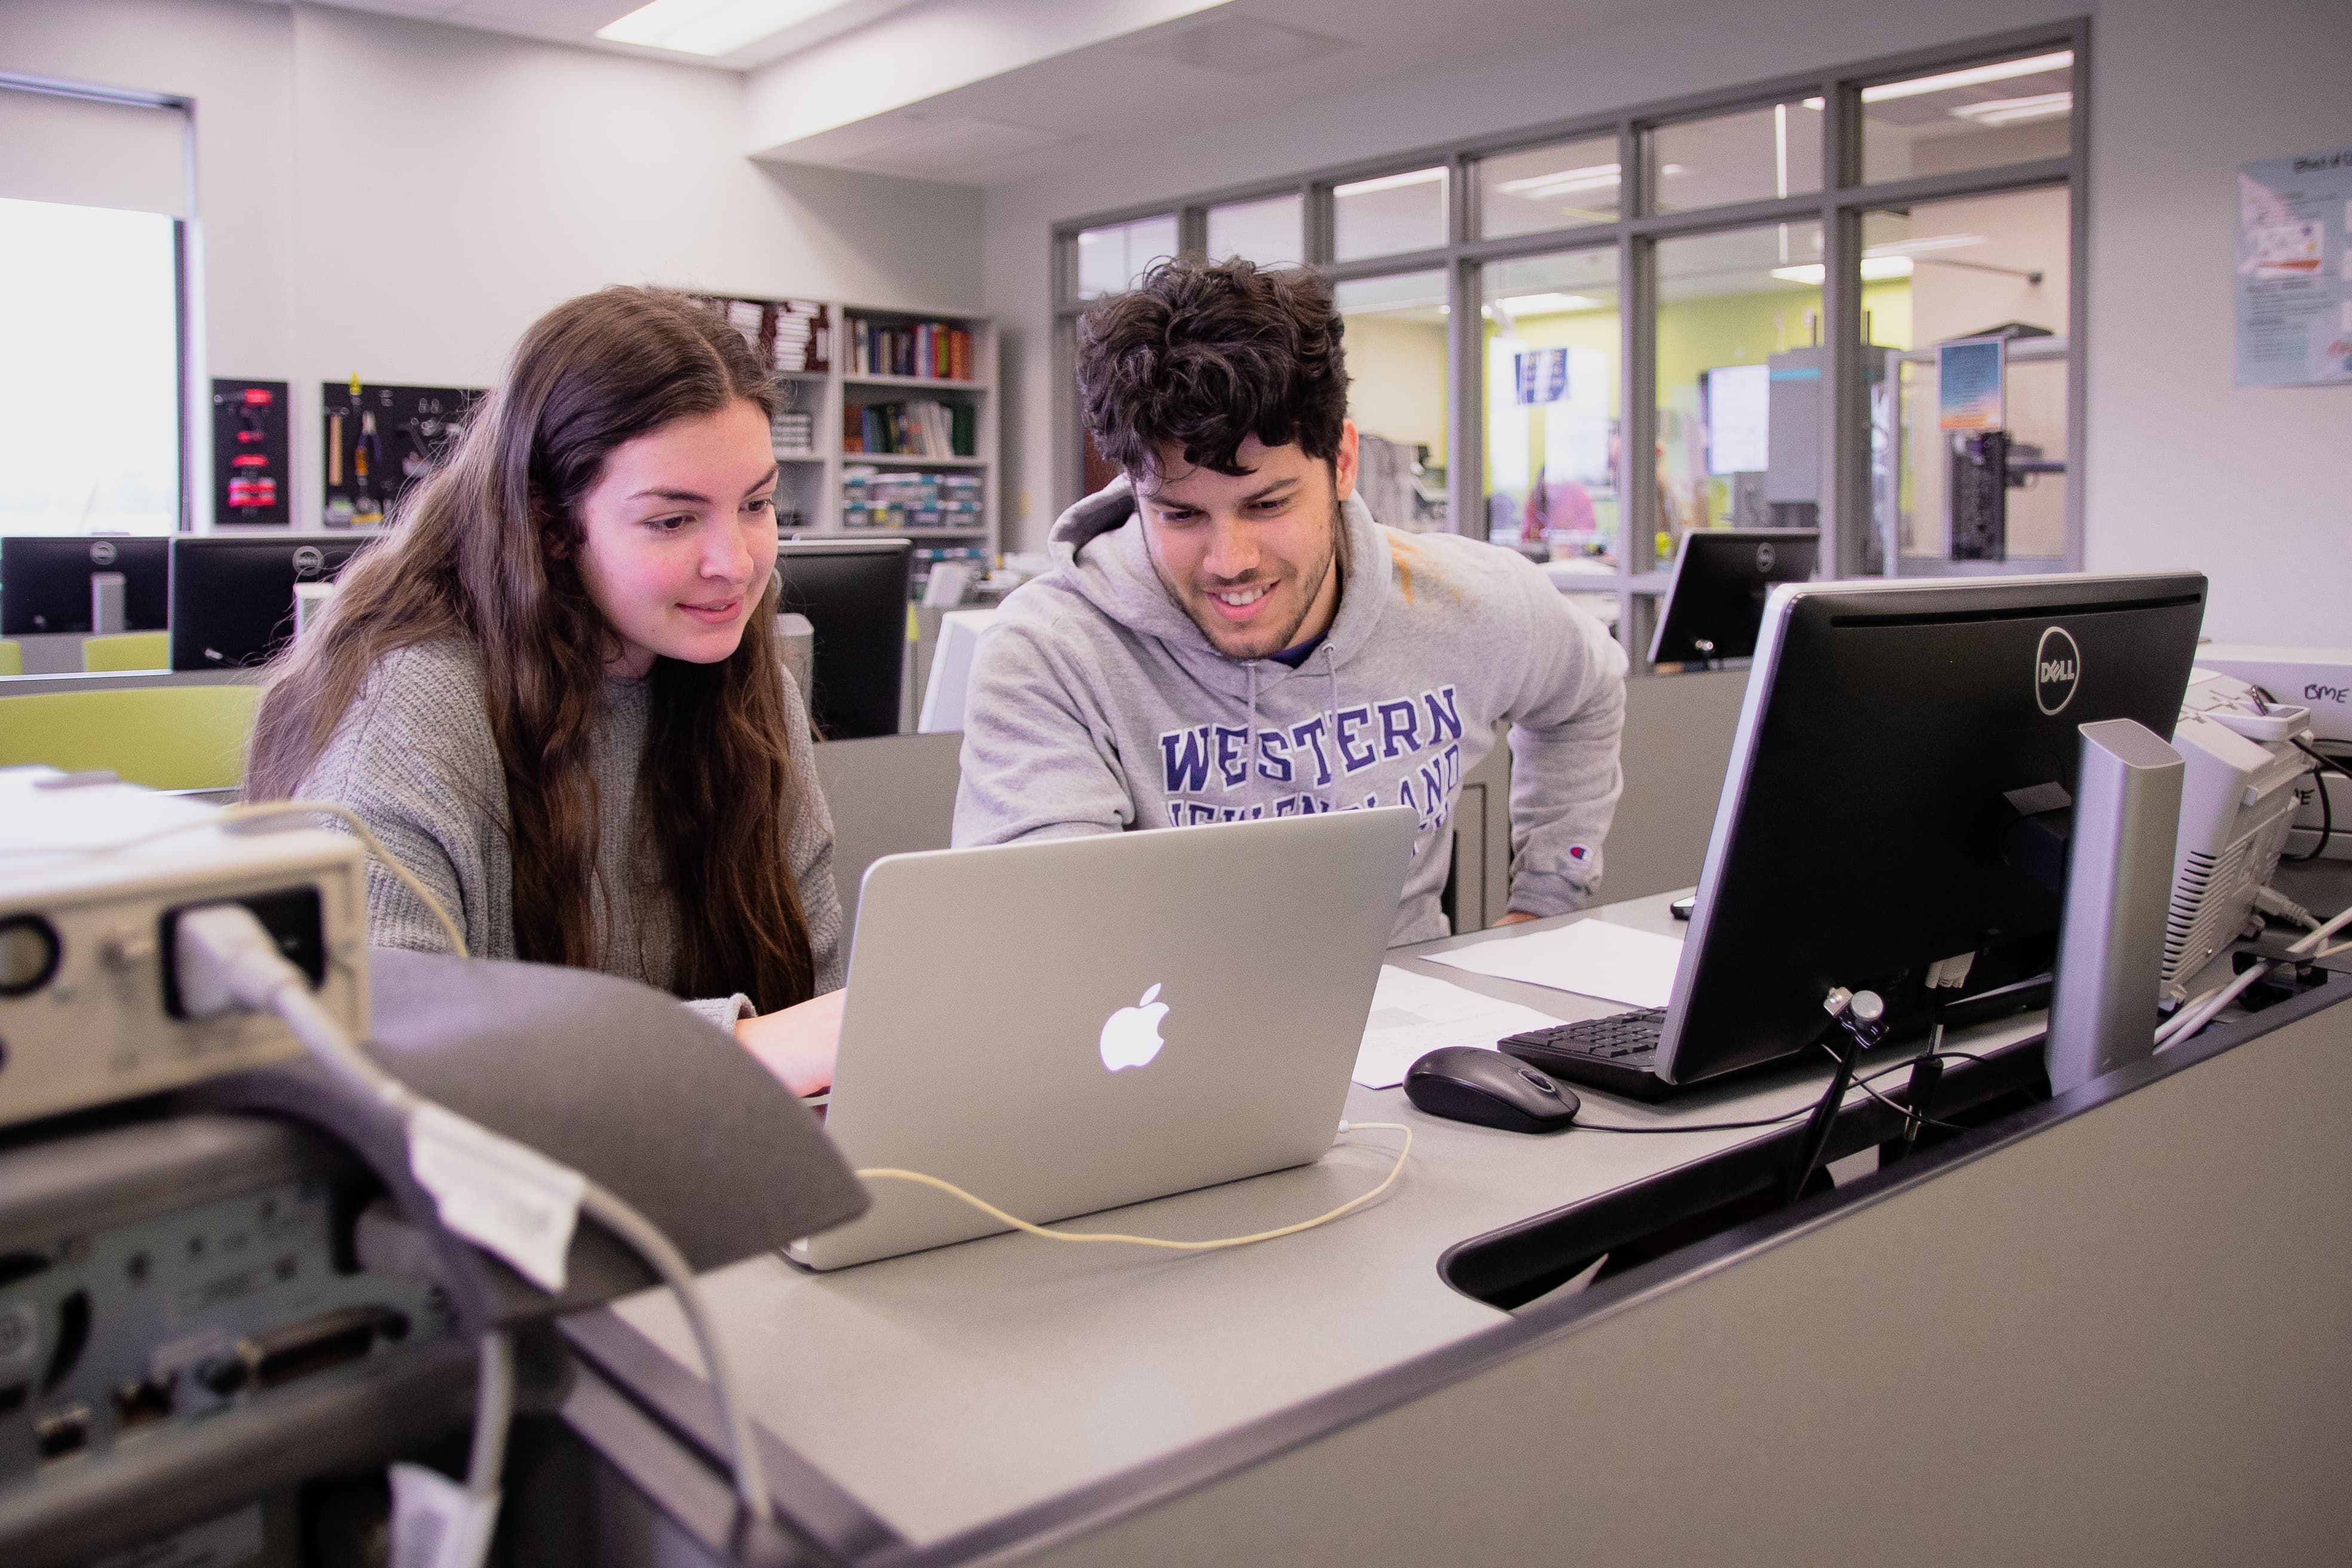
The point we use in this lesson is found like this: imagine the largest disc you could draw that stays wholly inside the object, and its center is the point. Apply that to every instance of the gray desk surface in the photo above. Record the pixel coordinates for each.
(946, 1389)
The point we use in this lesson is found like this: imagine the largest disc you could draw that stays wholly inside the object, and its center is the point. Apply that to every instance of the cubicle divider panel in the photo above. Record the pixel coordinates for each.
(2112, 1334)
(888, 795)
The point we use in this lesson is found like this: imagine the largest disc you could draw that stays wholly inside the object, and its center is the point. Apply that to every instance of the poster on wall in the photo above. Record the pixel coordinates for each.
(2293, 282)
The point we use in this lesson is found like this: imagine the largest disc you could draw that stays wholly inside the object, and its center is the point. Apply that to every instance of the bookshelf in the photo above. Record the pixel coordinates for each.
(938, 484)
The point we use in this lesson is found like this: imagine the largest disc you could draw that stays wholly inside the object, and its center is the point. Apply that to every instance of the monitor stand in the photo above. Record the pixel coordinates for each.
(2125, 818)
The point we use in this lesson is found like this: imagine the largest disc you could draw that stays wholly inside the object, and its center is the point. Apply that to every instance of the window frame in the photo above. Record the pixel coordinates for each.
(1838, 207)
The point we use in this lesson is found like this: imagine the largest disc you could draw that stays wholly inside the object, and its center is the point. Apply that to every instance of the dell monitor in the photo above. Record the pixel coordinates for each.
(854, 594)
(1716, 601)
(45, 582)
(1871, 815)
(233, 594)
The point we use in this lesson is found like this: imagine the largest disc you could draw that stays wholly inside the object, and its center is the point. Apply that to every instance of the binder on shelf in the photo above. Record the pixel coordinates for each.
(918, 427)
(897, 499)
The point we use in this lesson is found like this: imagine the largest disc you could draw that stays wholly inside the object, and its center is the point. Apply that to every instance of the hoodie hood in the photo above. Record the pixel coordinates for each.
(1099, 546)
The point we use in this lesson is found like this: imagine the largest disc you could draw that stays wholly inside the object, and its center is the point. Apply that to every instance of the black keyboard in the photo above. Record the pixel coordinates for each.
(1618, 1053)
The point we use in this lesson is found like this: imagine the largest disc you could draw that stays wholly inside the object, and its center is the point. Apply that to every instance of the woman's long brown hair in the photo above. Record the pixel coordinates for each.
(486, 548)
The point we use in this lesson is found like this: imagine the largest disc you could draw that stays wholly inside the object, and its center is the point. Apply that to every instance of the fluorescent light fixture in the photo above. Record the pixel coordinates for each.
(2017, 111)
(1594, 177)
(1875, 269)
(1548, 304)
(1923, 245)
(1975, 76)
(711, 27)
(1390, 183)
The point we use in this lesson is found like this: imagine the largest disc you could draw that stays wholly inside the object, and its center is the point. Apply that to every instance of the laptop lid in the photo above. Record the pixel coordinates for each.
(1067, 1026)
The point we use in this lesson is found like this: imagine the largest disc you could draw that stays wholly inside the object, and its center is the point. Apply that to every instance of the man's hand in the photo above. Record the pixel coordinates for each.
(797, 1043)
(1517, 917)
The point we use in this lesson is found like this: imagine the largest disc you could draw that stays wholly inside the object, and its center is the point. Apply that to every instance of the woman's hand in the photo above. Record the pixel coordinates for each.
(797, 1043)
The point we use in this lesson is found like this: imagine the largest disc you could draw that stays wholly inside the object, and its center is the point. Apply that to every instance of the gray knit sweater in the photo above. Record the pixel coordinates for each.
(415, 759)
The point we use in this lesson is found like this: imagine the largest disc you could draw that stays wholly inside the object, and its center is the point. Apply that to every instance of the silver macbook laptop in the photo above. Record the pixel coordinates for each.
(1069, 1027)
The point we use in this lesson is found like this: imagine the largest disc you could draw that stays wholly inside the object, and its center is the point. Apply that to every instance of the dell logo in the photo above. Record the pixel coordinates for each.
(103, 552)
(2057, 670)
(309, 561)
(1765, 556)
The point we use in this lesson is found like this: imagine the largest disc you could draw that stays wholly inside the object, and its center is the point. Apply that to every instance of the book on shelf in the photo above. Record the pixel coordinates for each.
(913, 427)
(933, 350)
(787, 334)
(910, 498)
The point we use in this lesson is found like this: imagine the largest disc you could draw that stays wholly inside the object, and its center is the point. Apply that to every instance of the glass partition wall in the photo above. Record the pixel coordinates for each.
(1586, 339)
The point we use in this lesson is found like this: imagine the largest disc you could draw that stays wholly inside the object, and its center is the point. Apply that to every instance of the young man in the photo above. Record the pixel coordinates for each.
(1227, 633)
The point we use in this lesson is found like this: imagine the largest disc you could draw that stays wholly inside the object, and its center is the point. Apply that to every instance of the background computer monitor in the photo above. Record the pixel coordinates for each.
(1716, 596)
(233, 594)
(1867, 828)
(45, 582)
(855, 595)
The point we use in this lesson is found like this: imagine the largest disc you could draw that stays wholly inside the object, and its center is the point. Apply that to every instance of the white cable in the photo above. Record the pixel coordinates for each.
(494, 1385)
(2186, 1023)
(891, 1173)
(226, 960)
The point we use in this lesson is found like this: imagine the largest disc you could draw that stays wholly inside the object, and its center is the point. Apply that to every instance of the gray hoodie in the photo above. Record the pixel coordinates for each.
(1096, 705)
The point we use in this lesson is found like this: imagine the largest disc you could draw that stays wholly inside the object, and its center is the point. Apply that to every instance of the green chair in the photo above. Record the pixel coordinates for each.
(165, 737)
(11, 656)
(127, 650)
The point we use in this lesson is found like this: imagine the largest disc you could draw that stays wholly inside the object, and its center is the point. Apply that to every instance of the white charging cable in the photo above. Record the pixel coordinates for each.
(920, 1179)
(2191, 1019)
(224, 960)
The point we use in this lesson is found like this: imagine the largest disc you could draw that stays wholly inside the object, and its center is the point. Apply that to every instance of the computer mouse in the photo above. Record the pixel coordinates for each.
(1467, 1083)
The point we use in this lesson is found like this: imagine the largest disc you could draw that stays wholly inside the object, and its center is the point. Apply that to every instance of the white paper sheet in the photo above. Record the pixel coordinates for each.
(1415, 1013)
(1592, 958)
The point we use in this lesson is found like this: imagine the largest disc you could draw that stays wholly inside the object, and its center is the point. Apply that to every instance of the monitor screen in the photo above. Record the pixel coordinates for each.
(1865, 827)
(45, 580)
(855, 595)
(1737, 401)
(1716, 601)
(233, 594)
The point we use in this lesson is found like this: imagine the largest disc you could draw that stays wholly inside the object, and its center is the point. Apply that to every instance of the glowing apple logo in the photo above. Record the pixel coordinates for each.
(1130, 1036)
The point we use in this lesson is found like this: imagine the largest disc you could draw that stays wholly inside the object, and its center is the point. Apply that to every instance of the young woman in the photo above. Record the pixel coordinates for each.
(554, 691)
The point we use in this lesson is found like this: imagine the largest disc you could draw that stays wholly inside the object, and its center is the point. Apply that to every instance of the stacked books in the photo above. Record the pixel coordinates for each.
(920, 427)
(800, 338)
(935, 350)
(794, 434)
(787, 334)
(872, 497)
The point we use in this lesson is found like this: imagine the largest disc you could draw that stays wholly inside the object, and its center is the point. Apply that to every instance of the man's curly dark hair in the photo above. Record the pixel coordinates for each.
(1201, 356)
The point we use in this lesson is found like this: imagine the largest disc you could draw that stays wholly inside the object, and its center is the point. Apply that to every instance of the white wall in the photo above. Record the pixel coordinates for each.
(400, 199)
(2252, 487)
(2252, 484)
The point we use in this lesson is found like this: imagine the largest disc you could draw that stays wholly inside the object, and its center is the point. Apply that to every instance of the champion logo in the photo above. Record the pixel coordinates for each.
(2057, 670)
(1578, 852)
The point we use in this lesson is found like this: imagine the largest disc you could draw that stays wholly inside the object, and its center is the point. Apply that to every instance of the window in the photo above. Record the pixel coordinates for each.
(1397, 384)
(1974, 267)
(1751, 155)
(1272, 233)
(1552, 416)
(92, 190)
(1739, 372)
(1720, 312)
(1388, 216)
(89, 408)
(1568, 185)
(1975, 117)
(1109, 259)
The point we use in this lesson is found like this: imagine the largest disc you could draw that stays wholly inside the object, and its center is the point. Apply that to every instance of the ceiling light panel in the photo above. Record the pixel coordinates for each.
(711, 28)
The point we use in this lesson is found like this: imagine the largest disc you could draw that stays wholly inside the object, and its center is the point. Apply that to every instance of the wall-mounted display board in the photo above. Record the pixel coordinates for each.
(2295, 270)
(378, 440)
(251, 446)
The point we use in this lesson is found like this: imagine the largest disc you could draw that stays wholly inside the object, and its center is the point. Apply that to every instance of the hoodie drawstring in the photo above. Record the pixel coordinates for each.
(1256, 750)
